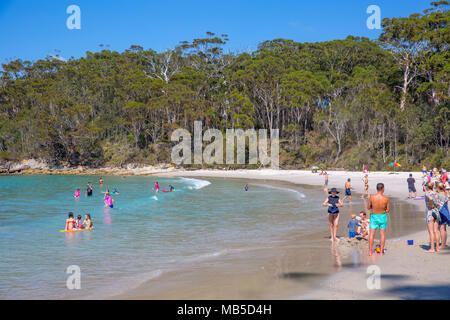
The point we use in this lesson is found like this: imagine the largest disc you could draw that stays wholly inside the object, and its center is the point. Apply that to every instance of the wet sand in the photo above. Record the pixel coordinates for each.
(295, 264)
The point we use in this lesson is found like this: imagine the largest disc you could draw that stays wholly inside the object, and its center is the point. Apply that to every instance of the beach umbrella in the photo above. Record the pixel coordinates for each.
(395, 164)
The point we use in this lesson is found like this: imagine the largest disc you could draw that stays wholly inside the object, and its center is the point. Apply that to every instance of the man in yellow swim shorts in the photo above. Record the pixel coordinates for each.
(379, 204)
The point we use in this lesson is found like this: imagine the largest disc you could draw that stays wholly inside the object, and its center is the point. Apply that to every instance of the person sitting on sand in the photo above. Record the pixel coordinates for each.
(363, 230)
(70, 222)
(352, 226)
(348, 191)
(432, 218)
(411, 186)
(333, 203)
(379, 205)
(87, 223)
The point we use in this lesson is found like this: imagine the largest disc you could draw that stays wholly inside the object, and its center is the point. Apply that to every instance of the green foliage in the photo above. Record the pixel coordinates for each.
(338, 103)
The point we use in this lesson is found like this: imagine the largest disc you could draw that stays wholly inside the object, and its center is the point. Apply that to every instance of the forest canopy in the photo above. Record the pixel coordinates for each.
(338, 103)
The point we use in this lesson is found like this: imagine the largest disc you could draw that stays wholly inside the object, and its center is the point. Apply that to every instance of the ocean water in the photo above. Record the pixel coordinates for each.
(142, 237)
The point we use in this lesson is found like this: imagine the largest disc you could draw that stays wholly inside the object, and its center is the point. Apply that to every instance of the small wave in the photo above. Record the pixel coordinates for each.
(124, 285)
(196, 183)
(155, 198)
(298, 193)
(210, 255)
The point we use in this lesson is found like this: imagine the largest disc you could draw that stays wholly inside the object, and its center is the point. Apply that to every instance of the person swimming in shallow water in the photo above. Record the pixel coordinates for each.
(156, 187)
(87, 223)
(89, 189)
(246, 187)
(70, 222)
(109, 200)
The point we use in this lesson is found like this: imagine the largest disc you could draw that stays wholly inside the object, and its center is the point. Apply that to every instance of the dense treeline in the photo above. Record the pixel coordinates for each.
(336, 103)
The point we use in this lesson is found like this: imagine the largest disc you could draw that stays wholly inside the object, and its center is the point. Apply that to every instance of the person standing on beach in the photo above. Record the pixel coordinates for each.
(348, 191)
(411, 187)
(366, 186)
(380, 207)
(333, 203)
(432, 218)
(440, 200)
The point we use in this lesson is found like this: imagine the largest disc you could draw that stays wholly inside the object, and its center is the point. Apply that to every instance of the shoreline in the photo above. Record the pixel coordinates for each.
(405, 269)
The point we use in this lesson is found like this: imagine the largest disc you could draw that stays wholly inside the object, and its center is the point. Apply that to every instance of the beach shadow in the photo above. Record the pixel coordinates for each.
(394, 277)
(427, 247)
(441, 292)
(301, 275)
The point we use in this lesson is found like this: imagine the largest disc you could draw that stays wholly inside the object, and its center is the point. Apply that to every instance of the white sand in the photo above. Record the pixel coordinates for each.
(407, 272)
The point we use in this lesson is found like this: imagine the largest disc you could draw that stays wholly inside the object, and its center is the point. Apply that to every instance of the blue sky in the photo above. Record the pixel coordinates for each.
(32, 29)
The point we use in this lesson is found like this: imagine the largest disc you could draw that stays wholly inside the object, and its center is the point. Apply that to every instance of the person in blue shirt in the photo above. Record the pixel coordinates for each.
(352, 226)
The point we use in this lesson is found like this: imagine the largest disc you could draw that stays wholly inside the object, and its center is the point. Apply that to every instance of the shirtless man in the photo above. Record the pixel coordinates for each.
(379, 205)
(348, 191)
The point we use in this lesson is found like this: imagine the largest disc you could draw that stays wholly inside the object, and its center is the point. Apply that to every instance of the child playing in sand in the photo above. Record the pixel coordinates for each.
(352, 226)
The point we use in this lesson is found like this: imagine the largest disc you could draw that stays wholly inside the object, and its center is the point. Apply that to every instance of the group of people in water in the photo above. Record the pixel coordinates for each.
(73, 224)
(437, 191)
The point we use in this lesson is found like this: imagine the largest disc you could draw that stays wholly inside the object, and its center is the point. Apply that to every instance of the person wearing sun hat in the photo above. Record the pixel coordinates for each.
(333, 203)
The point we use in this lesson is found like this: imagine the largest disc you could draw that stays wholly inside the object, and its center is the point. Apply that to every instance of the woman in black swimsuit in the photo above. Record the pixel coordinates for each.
(333, 203)
(89, 189)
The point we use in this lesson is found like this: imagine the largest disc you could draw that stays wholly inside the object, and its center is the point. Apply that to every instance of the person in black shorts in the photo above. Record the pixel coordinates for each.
(411, 187)
(89, 189)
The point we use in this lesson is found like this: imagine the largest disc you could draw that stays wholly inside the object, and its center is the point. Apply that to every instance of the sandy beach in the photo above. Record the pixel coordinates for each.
(407, 272)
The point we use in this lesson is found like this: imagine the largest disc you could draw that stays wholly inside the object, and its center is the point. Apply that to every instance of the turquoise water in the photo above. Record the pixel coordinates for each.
(142, 237)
